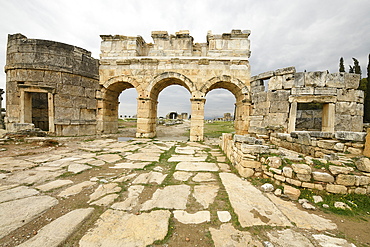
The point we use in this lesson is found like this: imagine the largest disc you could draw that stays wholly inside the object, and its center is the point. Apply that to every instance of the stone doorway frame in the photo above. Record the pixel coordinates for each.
(328, 111)
(25, 113)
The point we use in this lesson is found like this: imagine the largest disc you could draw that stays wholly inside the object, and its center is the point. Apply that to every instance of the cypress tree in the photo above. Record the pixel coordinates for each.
(341, 65)
(357, 67)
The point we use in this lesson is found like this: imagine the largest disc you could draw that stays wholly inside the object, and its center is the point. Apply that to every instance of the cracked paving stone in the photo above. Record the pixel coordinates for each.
(54, 185)
(196, 166)
(285, 237)
(151, 177)
(196, 218)
(132, 199)
(17, 193)
(205, 194)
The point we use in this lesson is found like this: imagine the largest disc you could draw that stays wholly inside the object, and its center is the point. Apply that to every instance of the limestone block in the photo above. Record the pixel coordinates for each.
(244, 172)
(323, 177)
(347, 180)
(274, 161)
(348, 108)
(254, 149)
(257, 89)
(308, 185)
(315, 79)
(303, 137)
(262, 96)
(327, 144)
(265, 75)
(288, 81)
(360, 190)
(304, 177)
(350, 136)
(363, 164)
(279, 177)
(292, 192)
(303, 91)
(284, 71)
(294, 182)
(277, 119)
(348, 122)
(340, 169)
(250, 163)
(351, 80)
(256, 83)
(288, 172)
(280, 106)
(350, 95)
(367, 144)
(325, 91)
(335, 80)
(275, 170)
(336, 189)
(299, 80)
(275, 83)
(281, 95)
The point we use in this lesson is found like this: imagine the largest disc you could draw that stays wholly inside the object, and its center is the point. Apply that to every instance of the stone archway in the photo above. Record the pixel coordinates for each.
(147, 106)
(107, 115)
(242, 96)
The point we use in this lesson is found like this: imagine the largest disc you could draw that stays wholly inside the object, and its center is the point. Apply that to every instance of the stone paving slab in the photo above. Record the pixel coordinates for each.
(185, 150)
(76, 168)
(144, 156)
(75, 189)
(118, 228)
(130, 165)
(228, 236)
(14, 214)
(17, 193)
(252, 208)
(56, 232)
(132, 199)
(109, 158)
(106, 200)
(124, 178)
(327, 241)
(196, 218)
(204, 177)
(224, 216)
(11, 164)
(151, 177)
(104, 189)
(170, 197)
(289, 238)
(186, 158)
(33, 176)
(182, 176)
(205, 194)
(54, 185)
(301, 218)
(197, 166)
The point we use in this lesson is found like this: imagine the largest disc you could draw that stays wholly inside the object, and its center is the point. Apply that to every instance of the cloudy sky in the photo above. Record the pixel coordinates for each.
(310, 35)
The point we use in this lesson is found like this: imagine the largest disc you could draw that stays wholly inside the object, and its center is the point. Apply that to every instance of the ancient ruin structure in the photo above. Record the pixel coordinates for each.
(50, 85)
(61, 89)
(55, 86)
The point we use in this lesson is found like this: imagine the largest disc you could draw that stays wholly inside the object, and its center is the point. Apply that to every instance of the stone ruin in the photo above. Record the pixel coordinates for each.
(61, 89)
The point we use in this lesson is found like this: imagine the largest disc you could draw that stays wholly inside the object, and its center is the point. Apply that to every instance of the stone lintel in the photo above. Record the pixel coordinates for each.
(313, 99)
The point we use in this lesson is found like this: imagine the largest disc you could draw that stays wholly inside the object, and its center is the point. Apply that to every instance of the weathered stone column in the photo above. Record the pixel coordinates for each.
(2, 125)
(51, 112)
(146, 117)
(26, 107)
(241, 122)
(328, 117)
(292, 116)
(197, 119)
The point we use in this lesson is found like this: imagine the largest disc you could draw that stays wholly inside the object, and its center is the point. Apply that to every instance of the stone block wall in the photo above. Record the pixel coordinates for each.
(275, 107)
(340, 175)
(52, 85)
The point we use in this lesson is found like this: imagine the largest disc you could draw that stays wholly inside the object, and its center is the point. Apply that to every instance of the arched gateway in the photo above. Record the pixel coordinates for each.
(127, 62)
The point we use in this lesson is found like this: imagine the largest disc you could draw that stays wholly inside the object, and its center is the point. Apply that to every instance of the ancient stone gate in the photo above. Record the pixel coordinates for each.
(130, 62)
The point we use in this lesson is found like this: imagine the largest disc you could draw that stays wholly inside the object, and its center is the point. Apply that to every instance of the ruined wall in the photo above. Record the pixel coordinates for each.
(52, 85)
(275, 107)
(251, 157)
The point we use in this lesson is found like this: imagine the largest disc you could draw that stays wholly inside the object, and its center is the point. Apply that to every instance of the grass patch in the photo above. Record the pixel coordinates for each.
(319, 165)
(360, 204)
(215, 129)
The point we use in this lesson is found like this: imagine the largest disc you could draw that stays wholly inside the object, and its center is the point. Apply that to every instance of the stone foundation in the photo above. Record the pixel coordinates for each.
(335, 174)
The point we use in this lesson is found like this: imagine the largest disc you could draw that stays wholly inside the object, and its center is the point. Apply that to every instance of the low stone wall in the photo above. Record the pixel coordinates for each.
(339, 175)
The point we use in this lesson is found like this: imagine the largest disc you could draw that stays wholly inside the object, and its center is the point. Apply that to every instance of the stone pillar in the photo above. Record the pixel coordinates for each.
(51, 112)
(292, 117)
(2, 125)
(197, 119)
(26, 107)
(328, 117)
(146, 117)
(242, 119)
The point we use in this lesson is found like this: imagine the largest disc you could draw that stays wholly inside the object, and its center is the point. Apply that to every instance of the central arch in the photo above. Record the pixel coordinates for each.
(147, 106)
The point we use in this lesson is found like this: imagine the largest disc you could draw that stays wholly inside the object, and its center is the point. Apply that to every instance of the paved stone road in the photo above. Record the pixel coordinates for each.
(145, 192)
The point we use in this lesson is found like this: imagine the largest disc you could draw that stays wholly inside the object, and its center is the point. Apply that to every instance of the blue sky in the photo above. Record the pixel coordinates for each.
(310, 35)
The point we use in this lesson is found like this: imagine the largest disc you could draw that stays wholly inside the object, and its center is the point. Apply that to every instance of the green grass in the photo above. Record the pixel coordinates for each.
(360, 204)
(215, 129)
